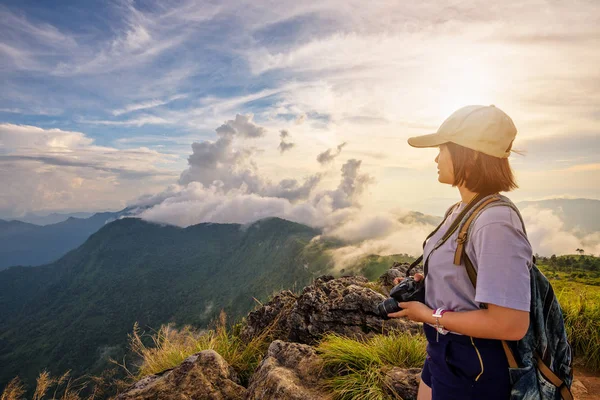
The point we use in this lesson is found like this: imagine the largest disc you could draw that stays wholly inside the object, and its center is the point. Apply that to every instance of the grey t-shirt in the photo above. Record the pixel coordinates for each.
(499, 251)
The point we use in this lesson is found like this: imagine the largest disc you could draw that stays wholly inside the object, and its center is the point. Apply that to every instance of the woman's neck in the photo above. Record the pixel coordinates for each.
(465, 194)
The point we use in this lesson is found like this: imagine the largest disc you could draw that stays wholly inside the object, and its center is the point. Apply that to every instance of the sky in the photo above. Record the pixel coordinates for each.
(228, 111)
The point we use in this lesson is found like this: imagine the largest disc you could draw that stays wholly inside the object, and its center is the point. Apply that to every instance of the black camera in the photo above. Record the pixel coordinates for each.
(407, 290)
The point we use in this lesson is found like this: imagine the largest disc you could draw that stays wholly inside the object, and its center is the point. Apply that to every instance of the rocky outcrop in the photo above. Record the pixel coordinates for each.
(345, 306)
(290, 371)
(204, 375)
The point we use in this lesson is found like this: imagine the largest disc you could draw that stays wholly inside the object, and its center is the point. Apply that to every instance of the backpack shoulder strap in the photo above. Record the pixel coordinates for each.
(420, 258)
(462, 234)
(451, 229)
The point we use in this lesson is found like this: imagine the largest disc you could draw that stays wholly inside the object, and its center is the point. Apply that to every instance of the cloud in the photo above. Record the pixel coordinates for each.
(351, 186)
(53, 169)
(328, 155)
(548, 235)
(147, 104)
(585, 167)
(283, 145)
(223, 183)
(138, 121)
(35, 111)
(221, 163)
(242, 125)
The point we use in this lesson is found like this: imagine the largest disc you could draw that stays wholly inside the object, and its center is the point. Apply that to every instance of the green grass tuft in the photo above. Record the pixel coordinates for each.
(357, 367)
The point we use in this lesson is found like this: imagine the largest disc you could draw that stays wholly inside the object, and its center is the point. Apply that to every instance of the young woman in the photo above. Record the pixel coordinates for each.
(468, 362)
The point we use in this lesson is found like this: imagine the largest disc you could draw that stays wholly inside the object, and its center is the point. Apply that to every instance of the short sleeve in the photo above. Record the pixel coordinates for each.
(503, 257)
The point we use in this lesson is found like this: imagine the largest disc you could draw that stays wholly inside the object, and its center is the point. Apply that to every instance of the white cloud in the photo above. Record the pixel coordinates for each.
(137, 121)
(147, 104)
(54, 169)
(548, 235)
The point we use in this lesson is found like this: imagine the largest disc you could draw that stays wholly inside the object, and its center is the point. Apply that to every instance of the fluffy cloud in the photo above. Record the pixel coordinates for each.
(548, 235)
(53, 169)
(221, 164)
(242, 125)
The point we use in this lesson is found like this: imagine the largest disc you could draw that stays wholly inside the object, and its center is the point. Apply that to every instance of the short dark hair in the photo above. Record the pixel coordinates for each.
(480, 172)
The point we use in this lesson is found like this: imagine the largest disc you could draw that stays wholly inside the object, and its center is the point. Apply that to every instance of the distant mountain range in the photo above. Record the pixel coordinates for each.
(53, 218)
(26, 244)
(77, 311)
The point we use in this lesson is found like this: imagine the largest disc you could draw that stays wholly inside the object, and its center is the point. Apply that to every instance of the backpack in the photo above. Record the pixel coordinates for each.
(541, 363)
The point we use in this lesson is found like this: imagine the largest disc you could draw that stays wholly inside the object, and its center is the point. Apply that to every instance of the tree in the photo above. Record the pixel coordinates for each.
(580, 251)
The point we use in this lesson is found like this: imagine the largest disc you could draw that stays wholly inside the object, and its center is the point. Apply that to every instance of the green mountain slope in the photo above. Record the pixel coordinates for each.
(76, 312)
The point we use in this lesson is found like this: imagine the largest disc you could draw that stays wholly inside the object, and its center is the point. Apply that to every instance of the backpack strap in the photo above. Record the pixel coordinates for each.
(420, 258)
(455, 224)
(462, 235)
(460, 254)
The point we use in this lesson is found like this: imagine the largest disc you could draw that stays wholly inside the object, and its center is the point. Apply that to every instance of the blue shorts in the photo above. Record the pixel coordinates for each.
(456, 368)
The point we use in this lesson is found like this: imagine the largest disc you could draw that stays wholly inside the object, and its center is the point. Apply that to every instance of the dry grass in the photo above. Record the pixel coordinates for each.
(172, 346)
(65, 388)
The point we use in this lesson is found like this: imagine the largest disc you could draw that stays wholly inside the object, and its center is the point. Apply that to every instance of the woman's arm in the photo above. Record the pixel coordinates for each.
(495, 322)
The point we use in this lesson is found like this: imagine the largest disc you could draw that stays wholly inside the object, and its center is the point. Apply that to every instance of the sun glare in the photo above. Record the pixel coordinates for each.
(464, 81)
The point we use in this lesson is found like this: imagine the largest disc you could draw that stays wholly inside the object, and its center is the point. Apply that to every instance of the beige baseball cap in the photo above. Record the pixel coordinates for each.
(483, 128)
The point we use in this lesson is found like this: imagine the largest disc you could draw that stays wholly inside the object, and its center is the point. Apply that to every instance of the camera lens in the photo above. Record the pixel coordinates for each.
(386, 307)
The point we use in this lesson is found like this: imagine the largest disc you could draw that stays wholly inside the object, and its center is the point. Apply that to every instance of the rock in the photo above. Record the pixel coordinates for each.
(397, 270)
(290, 371)
(578, 388)
(275, 312)
(386, 281)
(343, 306)
(403, 382)
(204, 375)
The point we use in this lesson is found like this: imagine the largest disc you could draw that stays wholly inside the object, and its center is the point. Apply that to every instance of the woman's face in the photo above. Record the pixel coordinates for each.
(444, 165)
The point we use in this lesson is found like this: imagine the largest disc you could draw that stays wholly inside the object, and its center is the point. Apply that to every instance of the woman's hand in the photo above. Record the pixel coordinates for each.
(417, 277)
(415, 311)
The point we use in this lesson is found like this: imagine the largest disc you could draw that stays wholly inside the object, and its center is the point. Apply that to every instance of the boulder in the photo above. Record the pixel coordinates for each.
(204, 375)
(397, 270)
(403, 382)
(290, 371)
(345, 306)
(273, 314)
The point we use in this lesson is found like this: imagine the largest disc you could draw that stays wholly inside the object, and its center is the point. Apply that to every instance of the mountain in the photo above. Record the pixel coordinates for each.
(53, 218)
(580, 215)
(416, 217)
(27, 244)
(77, 311)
